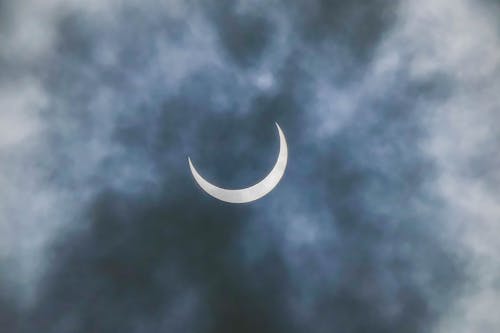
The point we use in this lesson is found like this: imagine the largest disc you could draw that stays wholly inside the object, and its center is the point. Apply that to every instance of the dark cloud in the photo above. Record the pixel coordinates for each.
(350, 241)
(10, 316)
(356, 24)
(244, 36)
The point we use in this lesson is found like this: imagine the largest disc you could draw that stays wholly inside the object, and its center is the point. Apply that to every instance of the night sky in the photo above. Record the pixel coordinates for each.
(387, 219)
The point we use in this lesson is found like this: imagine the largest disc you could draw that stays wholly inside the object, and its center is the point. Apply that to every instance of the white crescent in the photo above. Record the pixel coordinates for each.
(251, 193)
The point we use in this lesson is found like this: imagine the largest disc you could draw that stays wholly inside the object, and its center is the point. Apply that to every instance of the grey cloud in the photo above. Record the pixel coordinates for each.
(355, 238)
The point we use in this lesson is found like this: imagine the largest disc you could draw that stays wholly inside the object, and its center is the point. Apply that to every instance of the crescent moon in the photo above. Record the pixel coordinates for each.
(251, 193)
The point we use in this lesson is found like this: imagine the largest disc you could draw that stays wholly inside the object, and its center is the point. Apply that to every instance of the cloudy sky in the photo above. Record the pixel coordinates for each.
(387, 219)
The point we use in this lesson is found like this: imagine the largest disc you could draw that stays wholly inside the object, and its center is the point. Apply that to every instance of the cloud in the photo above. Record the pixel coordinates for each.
(385, 220)
(455, 103)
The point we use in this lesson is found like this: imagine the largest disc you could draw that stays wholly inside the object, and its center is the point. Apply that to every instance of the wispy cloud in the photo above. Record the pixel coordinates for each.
(386, 218)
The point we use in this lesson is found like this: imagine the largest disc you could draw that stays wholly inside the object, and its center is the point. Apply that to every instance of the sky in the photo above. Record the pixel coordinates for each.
(387, 219)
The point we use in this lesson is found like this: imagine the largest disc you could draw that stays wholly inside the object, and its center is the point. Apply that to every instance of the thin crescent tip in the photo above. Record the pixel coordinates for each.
(280, 131)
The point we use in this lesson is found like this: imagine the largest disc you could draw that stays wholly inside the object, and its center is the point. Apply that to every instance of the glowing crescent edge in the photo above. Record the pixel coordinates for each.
(251, 193)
